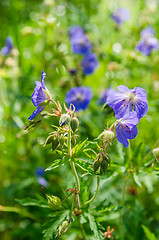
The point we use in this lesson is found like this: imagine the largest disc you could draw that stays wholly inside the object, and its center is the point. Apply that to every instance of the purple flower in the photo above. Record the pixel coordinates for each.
(127, 100)
(8, 47)
(89, 63)
(120, 15)
(40, 97)
(104, 96)
(126, 128)
(75, 31)
(148, 42)
(80, 44)
(39, 171)
(80, 97)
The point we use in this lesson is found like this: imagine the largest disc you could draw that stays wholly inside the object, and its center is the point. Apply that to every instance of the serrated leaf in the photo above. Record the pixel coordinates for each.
(93, 225)
(78, 148)
(149, 235)
(85, 164)
(31, 202)
(53, 225)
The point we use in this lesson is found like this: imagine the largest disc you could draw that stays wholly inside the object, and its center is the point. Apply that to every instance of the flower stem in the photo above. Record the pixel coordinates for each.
(95, 194)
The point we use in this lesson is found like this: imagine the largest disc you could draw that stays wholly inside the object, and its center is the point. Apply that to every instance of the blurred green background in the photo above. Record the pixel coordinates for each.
(41, 42)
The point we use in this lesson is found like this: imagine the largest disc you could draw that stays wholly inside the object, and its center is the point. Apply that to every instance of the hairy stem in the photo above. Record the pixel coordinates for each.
(95, 194)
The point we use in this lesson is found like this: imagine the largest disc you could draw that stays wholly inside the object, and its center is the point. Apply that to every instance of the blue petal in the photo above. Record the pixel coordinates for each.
(43, 79)
(130, 134)
(120, 136)
(140, 108)
(37, 111)
(130, 119)
(122, 108)
(123, 89)
(38, 96)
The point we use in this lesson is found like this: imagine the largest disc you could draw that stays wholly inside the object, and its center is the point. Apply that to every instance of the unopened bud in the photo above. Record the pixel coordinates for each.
(38, 118)
(64, 119)
(106, 135)
(96, 165)
(64, 227)
(54, 202)
(155, 152)
(104, 165)
(74, 123)
(55, 144)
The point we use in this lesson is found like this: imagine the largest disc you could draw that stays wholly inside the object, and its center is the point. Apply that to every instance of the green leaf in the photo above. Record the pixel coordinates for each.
(149, 235)
(79, 147)
(85, 164)
(52, 225)
(93, 225)
(55, 164)
(32, 202)
(136, 179)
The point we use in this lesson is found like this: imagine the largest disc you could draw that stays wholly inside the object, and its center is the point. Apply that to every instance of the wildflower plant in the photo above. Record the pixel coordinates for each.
(64, 141)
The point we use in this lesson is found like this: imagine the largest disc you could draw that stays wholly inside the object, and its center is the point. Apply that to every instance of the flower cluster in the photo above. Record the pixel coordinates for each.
(80, 97)
(120, 15)
(8, 47)
(80, 44)
(148, 42)
(129, 106)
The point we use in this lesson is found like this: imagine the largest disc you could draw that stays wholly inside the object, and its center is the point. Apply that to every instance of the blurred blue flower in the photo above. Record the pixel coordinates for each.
(127, 100)
(42, 181)
(103, 97)
(120, 15)
(8, 47)
(89, 63)
(126, 128)
(40, 97)
(148, 42)
(75, 31)
(80, 44)
(80, 97)
(39, 171)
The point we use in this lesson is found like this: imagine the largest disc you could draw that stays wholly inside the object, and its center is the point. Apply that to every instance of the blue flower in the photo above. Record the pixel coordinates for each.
(80, 97)
(8, 47)
(89, 63)
(39, 171)
(126, 128)
(80, 44)
(148, 42)
(127, 100)
(42, 181)
(103, 97)
(40, 97)
(120, 15)
(75, 31)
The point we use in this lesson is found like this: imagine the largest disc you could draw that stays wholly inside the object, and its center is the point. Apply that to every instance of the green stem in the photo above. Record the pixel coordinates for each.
(71, 160)
(95, 194)
(82, 229)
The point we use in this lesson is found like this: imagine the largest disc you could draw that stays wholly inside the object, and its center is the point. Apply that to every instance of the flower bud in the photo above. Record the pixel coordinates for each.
(96, 165)
(49, 140)
(104, 165)
(74, 123)
(106, 135)
(55, 144)
(64, 227)
(54, 202)
(155, 152)
(37, 118)
(64, 119)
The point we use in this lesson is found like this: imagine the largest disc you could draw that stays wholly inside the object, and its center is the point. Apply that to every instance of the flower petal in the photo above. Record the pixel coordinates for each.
(37, 111)
(120, 136)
